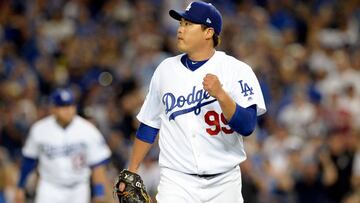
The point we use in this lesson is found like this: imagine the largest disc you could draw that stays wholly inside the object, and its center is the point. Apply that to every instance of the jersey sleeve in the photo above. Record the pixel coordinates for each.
(31, 147)
(246, 89)
(98, 150)
(150, 110)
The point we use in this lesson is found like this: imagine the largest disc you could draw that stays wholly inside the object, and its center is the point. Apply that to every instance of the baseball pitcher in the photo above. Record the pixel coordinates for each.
(201, 103)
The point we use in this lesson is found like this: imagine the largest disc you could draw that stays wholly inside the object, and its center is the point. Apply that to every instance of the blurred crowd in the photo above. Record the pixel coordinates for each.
(306, 54)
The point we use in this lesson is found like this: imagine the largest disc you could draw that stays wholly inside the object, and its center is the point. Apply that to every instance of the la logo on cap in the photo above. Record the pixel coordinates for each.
(65, 95)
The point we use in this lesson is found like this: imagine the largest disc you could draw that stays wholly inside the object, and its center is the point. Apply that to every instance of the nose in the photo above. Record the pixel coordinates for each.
(180, 29)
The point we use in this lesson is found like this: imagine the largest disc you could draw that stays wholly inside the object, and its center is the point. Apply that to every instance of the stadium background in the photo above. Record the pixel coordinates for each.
(306, 54)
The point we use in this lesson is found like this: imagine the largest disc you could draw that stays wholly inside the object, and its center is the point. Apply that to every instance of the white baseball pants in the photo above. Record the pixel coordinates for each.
(47, 192)
(177, 187)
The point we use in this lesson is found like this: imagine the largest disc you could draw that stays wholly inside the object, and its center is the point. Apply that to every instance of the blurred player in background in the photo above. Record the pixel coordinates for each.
(67, 150)
(202, 102)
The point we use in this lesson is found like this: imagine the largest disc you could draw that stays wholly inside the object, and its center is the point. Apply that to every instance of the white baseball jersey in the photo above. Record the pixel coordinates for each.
(194, 135)
(65, 154)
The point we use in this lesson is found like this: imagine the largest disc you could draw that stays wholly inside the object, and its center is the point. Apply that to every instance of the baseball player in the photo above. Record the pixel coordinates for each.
(67, 150)
(201, 103)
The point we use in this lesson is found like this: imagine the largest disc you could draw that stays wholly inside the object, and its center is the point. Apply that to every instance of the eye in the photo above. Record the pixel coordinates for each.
(185, 23)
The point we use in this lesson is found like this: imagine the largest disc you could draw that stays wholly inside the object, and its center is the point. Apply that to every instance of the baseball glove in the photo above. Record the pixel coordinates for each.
(134, 191)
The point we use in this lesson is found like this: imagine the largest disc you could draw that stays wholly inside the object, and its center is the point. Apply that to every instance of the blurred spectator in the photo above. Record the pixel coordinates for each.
(298, 115)
(342, 157)
(356, 166)
(7, 177)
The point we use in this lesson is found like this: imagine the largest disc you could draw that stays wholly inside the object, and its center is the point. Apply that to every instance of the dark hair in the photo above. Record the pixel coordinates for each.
(215, 38)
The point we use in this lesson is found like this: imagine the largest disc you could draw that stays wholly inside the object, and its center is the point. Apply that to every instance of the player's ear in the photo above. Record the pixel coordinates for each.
(209, 33)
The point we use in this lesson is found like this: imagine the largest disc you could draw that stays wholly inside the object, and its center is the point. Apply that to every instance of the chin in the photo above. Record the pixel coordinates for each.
(180, 44)
(181, 47)
(65, 120)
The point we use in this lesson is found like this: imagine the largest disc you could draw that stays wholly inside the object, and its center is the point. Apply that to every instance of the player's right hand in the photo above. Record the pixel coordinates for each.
(19, 195)
(212, 85)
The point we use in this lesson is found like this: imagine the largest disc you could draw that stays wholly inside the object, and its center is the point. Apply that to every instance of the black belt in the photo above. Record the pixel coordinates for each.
(209, 176)
(205, 175)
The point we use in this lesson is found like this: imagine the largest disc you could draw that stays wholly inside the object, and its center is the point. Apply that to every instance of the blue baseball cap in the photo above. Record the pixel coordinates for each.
(62, 97)
(200, 13)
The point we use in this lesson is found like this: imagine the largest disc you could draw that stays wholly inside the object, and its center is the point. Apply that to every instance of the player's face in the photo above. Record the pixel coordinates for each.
(190, 36)
(64, 114)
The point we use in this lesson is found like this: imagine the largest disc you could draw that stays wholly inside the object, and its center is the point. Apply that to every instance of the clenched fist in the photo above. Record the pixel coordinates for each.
(212, 85)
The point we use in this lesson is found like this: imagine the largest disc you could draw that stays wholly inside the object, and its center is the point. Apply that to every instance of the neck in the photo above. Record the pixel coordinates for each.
(201, 55)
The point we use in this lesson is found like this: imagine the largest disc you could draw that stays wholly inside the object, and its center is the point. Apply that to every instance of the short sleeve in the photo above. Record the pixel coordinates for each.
(246, 89)
(98, 150)
(151, 108)
(31, 147)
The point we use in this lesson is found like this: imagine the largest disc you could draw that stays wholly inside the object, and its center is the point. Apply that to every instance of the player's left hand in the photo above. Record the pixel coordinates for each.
(211, 84)
(129, 187)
